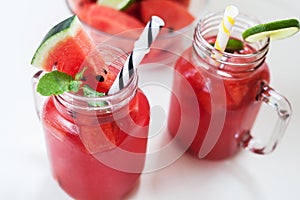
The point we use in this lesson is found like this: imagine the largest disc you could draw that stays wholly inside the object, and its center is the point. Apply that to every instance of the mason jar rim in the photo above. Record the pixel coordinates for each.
(210, 50)
(71, 97)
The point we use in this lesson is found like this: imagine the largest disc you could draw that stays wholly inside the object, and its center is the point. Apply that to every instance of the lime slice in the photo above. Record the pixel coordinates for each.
(233, 45)
(116, 4)
(275, 30)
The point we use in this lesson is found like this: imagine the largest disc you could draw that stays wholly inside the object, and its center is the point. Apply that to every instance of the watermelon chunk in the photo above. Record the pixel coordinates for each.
(236, 92)
(66, 48)
(174, 14)
(133, 10)
(185, 3)
(108, 19)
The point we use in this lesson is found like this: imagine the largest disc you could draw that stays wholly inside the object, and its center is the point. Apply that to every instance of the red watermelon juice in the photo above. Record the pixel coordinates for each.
(97, 152)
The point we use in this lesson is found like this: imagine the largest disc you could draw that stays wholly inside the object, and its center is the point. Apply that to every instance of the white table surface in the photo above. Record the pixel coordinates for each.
(24, 169)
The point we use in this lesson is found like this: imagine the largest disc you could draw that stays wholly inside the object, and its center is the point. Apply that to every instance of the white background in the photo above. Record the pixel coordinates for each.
(24, 168)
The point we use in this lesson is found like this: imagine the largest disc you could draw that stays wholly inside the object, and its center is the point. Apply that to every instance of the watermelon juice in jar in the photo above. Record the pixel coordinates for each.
(229, 88)
(97, 145)
(120, 27)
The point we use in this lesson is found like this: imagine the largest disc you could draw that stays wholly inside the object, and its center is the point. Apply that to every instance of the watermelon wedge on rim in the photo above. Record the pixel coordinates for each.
(66, 48)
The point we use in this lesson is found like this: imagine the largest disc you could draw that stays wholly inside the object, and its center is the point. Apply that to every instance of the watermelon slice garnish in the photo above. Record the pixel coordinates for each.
(174, 14)
(68, 48)
(65, 48)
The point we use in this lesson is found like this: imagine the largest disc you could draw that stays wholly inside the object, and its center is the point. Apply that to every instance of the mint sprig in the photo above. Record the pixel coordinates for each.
(79, 75)
(89, 92)
(56, 83)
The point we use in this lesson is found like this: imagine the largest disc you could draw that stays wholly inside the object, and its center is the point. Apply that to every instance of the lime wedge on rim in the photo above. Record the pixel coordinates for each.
(275, 30)
(116, 4)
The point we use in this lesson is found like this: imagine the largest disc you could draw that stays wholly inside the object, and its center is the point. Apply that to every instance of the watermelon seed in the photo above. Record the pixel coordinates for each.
(100, 78)
(105, 71)
(54, 66)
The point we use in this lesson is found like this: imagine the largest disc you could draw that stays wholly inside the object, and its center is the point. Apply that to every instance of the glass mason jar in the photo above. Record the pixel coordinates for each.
(227, 92)
(97, 152)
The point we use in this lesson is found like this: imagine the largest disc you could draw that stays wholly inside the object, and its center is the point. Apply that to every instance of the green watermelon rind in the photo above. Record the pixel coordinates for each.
(60, 32)
(122, 7)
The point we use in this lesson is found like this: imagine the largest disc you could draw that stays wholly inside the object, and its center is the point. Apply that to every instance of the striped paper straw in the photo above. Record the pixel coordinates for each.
(225, 27)
(141, 48)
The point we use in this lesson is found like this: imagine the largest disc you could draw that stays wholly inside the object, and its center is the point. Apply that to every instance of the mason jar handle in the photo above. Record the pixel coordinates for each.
(38, 99)
(283, 110)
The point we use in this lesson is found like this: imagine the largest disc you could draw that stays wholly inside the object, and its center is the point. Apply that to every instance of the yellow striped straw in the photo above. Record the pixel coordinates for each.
(225, 27)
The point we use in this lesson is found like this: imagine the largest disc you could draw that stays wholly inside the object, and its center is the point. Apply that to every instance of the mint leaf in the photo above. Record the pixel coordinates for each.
(79, 75)
(54, 83)
(75, 86)
(234, 45)
(90, 92)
